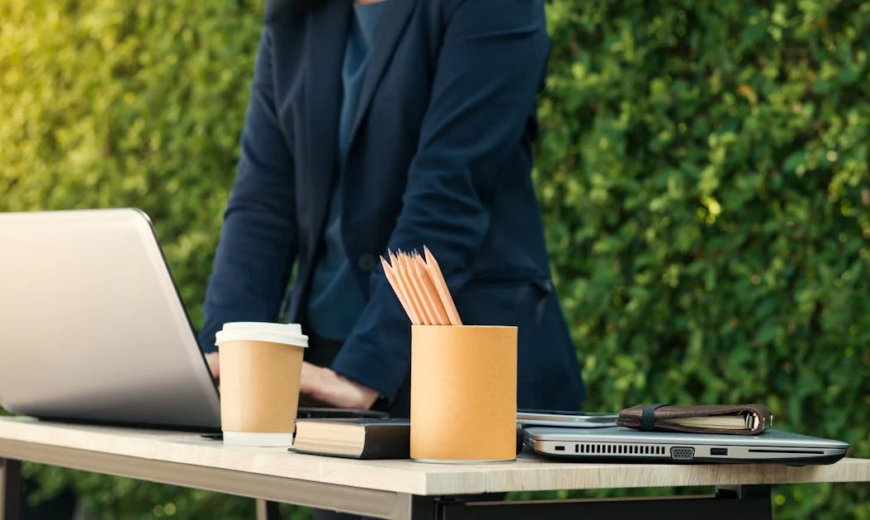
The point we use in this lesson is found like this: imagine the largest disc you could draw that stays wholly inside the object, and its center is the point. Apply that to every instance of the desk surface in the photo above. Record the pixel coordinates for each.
(529, 473)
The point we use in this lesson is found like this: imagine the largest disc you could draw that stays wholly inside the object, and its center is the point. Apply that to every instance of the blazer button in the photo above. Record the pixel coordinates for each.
(367, 262)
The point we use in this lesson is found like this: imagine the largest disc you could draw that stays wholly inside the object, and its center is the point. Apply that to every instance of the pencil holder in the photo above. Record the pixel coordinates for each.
(463, 393)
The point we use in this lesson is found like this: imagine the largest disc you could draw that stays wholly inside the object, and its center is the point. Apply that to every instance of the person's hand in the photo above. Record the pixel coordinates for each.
(214, 366)
(322, 385)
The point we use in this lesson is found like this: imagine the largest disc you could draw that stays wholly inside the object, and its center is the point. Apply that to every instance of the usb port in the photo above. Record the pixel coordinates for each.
(719, 451)
(560, 448)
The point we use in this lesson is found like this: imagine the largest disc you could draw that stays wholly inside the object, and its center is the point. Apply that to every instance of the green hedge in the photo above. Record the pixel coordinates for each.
(703, 172)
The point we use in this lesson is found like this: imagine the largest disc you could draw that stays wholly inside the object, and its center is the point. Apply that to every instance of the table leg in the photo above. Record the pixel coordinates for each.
(756, 498)
(267, 510)
(423, 508)
(10, 489)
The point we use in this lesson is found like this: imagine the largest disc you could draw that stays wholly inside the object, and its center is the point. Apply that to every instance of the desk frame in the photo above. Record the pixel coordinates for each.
(748, 502)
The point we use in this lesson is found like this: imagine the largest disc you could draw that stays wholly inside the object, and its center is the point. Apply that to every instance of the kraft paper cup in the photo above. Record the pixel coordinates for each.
(463, 393)
(261, 364)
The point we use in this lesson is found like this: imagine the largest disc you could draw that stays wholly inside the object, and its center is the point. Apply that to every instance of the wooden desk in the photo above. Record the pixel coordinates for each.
(390, 489)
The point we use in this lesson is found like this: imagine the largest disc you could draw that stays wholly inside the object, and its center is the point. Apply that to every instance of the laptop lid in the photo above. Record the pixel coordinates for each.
(92, 327)
(628, 445)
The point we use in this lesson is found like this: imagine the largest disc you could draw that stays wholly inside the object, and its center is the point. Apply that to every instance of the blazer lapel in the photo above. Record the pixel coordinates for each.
(324, 51)
(392, 26)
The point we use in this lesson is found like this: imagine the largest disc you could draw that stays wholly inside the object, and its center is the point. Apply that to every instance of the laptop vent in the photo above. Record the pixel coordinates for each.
(618, 449)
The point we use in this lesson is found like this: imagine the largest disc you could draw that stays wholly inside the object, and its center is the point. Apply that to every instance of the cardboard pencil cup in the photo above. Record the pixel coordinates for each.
(463, 393)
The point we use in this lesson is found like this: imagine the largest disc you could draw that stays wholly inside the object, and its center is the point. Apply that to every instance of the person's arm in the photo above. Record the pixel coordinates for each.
(258, 241)
(485, 88)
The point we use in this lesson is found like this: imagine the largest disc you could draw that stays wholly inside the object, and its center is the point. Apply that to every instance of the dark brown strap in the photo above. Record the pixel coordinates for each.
(648, 417)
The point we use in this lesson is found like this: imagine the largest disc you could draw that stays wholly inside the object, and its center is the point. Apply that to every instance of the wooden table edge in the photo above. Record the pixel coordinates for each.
(404, 477)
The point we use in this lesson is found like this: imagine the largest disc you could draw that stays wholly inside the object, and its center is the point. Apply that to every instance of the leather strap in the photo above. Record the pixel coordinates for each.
(648, 417)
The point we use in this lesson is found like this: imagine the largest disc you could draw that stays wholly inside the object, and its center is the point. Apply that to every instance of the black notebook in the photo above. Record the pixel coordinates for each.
(359, 438)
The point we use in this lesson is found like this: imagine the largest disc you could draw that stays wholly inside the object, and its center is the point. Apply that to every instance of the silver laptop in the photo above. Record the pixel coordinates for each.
(619, 444)
(91, 326)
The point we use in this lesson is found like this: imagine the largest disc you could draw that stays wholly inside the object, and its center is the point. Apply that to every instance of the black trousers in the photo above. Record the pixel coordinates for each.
(321, 352)
(61, 507)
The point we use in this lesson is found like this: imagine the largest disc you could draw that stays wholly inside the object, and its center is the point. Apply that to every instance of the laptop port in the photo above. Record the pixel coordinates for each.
(721, 452)
(560, 448)
(682, 453)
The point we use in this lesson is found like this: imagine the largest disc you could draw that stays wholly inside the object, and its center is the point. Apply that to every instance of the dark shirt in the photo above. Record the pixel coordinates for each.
(336, 300)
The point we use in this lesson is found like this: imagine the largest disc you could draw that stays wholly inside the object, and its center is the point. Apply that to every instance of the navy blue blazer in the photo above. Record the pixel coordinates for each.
(440, 155)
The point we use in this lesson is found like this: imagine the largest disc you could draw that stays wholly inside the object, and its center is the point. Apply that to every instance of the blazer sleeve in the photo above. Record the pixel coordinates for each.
(485, 87)
(258, 240)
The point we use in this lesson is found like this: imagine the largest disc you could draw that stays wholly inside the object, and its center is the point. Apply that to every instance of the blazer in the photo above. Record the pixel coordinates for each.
(440, 155)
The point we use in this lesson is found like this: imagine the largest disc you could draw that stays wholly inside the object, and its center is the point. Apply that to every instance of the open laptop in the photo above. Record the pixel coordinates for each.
(92, 328)
(617, 444)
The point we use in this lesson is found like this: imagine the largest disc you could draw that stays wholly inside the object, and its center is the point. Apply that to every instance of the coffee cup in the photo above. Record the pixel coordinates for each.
(261, 364)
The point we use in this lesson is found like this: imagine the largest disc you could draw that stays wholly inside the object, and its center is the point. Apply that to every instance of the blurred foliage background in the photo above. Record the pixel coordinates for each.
(703, 172)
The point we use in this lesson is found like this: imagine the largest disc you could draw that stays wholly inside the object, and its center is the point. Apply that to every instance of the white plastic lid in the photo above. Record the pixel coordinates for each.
(289, 334)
